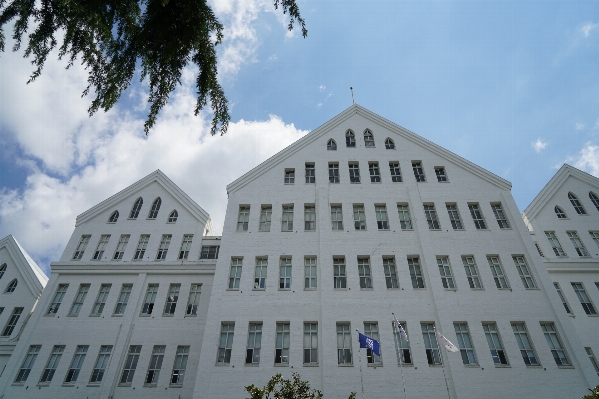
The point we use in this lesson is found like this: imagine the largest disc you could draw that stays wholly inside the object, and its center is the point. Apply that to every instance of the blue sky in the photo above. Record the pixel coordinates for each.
(512, 86)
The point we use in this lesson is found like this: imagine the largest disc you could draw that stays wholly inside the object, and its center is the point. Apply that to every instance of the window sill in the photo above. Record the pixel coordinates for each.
(66, 385)
(451, 289)
(168, 315)
(536, 366)
(281, 364)
(472, 366)
(145, 315)
(222, 364)
(73, 315)
(375, 182)
(286, 231)
(419, 289)
(190, 315)
(93, 385)
(384, 229)
(435, 365)
(375, 365)
(310, 231)
(532, 289)
(502, 366)
(128, 384)
(150, 218)
(175, 386)
(18, 384)
(366, 289)
(258, 289)
(149, 385)
(50, 315)
(566, 367)
(310, 289)
(442, 181)
(289, 184)
(504, 289)
(251, 365)
(505, 228)
(232, 289)
(310, 364)
(593, 315)
(345, 365)
(284, 289)
(43, 385)
(116, 315)
(477, 289)
(340, 289)
(355, 182)
(263, 231)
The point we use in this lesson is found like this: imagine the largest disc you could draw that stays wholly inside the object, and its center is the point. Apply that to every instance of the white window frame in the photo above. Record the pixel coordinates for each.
(560, 356)
(402, 346)
(477, 216)
(375, 172)
(165, 243)
(344, 344)
(180, 365)
(102, 243)
(501, 281)
(78, 254)
(431, 345)
(265, 218)
(350, 139)
(52, 364)
(309, 217)
(185, 246)
(500, 215)
(525, 273)
(254, 343)
(227, 334)
(368, 139)
(12, 321)
(287, 218)
(61, 290)
(130, 365)
(405, 220)
(310, 173)
(585, 301)
(310, 344)
(79, 299)
(149, 299)
(260, 273)
(430, 213)
(155, 365)
(562, 298)
(454, 216)
(365, 273)
(289, 176)
(525, 345)
(123, 299)
(416, 272)
(465, 344)
(337, 217)
(136, 208)
(172, 298)
(76, 364)
(354, 172)
(100, 364)
(243, 218)
(339, 273)
(310, 270)
(389, 144)
(153, 214)
(121, 247)
(418, 172)
(555, 244)
(140, 251)
(561, 214)
(371, 330)
(101, 298)
(235, 273)
(334, 172)
(576, 204)
(395, 170)
(282, 343)
(382, 218)
(285, 272)
(193, 300)
(447, 278)
(581, 250)
(472, 273)
(498, 353)
(359, 217)
(441, 174)
(27, 364)
(390, 270)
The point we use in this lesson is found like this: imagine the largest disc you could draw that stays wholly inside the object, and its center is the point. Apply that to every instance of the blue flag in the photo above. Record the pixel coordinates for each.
(367, 342)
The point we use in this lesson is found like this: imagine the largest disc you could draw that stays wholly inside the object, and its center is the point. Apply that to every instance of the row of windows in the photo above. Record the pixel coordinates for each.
(579, 246)
(207, 251)
(382, 220)
(561, 214)
(402, 345)
(12, 285)
(101, 363)
(389, 268)
(373, 170)
(170, 305)
(152, 214)
(585, 301)
(350, 141)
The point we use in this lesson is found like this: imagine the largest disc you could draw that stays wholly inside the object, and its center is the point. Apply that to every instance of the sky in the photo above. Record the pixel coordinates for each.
(512, 86)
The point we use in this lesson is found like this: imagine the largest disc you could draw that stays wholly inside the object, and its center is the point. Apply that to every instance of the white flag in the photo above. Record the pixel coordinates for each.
(399, 329)
(448, 345)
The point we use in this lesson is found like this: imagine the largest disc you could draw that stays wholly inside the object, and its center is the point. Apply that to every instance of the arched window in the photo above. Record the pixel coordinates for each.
(331, 145)
(155, 208)
(560, 213)
(113, 217)
(350, 138)
(368, 138)
(172, 218)
(594, 199)
(576, 204)
(11, 287)
(136, 208)
(389, 144)
(2, 270)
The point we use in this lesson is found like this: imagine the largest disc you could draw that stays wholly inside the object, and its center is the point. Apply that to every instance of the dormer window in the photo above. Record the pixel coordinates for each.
(113, 217)
(331, 145)
(594, 199)
(389, 144)
(136, 208)
(576, 204)
(155, 208)
(12, 286)
(368, 138)
(560, 213)
(350, 138)
(172, 218)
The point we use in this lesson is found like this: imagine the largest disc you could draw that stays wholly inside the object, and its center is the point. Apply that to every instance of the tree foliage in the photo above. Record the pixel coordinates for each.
(112, 38)
(281, 388)
(594, 393)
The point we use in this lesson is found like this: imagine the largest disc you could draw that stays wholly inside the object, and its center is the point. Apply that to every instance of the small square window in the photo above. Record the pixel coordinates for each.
(441, 174)
(289, 176)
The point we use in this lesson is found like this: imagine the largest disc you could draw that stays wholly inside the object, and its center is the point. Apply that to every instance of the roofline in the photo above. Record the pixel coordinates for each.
(34, 277)
(340, 118)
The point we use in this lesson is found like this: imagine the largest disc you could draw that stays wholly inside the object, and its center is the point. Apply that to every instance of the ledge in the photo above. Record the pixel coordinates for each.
(137, 267)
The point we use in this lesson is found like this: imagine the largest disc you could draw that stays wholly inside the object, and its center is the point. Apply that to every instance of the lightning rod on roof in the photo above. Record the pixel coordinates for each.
(352, 95)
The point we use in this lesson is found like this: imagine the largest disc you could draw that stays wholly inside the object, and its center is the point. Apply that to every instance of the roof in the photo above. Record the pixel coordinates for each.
(553, 185)
(349, 112)
(34, 277)
(159, 177)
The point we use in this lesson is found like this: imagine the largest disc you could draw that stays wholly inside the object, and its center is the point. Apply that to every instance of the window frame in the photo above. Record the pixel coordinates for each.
(81, 246)
(49, 370)
(526, 357)
(402, 346)
(136, 208)
(558, 351)
(310, 273)
(472, 272)
(416, 274)
(121, 246)
(418, 170)
(310, 169)
(374, 171)
(331, 145)
(153, 213)
(465, 344)
(525, 273)
(390, 270)
(371, 330)
(350, 139)
(193, 300)
(344, 348)
(165, 243)
(454, 216)
(12, 322)
(185, 246)
(289, 176)
(154, 366)
(478, 218)
(76, 364)
(172, 298)
(309, 217)
(495, 344)
(285, 273)
(395, 171)
(149, 302)
(334, 173)
(57, 299)
(287, 218)
(368, 139)
(446, 273)
(100, 364)
(243, 218)
(235, 278)
(339, 273)
(500, 215)
(282, 343)
(336, 217)
(227, 331)
(431, 345)
(389, 144)
(114, 217)
(365, 273)
(265, 218)
(430, 214)
(579, 246)
(354, 172)
(260, 272)
(310, 344)
(142, 245)
(130, 365)
(578, 207)
(498, 272)
(254, 343)
(28, 363)
(100, 302)
(179, 366)
(594, 199)
(441, 174)
(585, 300)
(560, 213)
(123, 299)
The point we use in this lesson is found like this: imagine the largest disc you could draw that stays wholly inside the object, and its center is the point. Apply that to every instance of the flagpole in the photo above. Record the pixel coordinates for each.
(443, 365)
(400, 357)
(360, 358)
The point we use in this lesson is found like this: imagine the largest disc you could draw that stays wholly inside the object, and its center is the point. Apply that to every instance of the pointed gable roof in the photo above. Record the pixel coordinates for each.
(159, 177)
(553, 185)
(359, 110)
(34, 277)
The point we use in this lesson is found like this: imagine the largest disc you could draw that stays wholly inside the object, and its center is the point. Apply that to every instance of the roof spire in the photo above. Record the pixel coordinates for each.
(352, 95)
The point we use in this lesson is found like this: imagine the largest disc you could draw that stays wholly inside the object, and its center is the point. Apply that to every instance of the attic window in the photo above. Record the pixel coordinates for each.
(331, 145)
(368, 138)
(155, 208)
(172, 218)
(560, 213)
(12, 286)
(113, 217)
(350, 138)
(136, 208)
(576, 204)
(389, 144)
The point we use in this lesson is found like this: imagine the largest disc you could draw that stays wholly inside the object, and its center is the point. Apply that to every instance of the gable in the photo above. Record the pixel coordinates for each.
(19, 265)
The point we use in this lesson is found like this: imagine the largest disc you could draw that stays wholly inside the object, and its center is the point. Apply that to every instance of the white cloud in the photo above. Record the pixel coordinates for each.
(579, 126)
(322, 87)
(587, 159)
(539, 145)
(587, 27)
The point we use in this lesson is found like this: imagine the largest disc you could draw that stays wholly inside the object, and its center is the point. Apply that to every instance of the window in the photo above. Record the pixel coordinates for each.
(576, 204)
(114, 216)
(120, 247)
(441, 175)
(235, 274)
(560, 213)
(594, 199)
(555, 245)
(130, 364)
(539, 250)
(454, 217)
(123, 299)
(310, 273)
(309, 217)
(171, 299)
(500, 216)
(289, 176)
(141, 247)
(372, 330)
(395, 172)
(404, 355)
(595, 236)
(282, 344)
(12, 286)
(389, 144)
(209, 252)
(331, 145)
(2, 270)
(28, 363)
(52, 364)
(344, 353)
(265, 216)
(404, 216)
(445, 271)
(101, 246)
(472, 272)
(172, 218)
(76, 364)
(101, 364)
(390, 273)
(558, 352)
(464, 343)
(431, 217)
(354, 173)
(336, 217)
(524, 272)
(375, 173)
(310, 173)
(495, 345)
(584, 299)
(430, 344)
(260, 273)
(368, 138)
(418, 172)
(526, 349)
(81, 247)
(285, 274)
(359, 218)
(185, 246)
(136, 208)
(287, 219)
(155, 208)
(243, 218)
(562, 298)
(477, 216)
(155, 365)
(365, 273)
(57, 299)
(333, 172)
(226, 342)
(578, 245)
(252, 353)
(339, 276)
(194, 300)
(310, 343)
(165, 242)
(381, 217)
(150, 299)
(593, 359)
(12, 322)
(350, 139)
(180, 365)
(101, 299)
(415, 272)
(498, 273)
